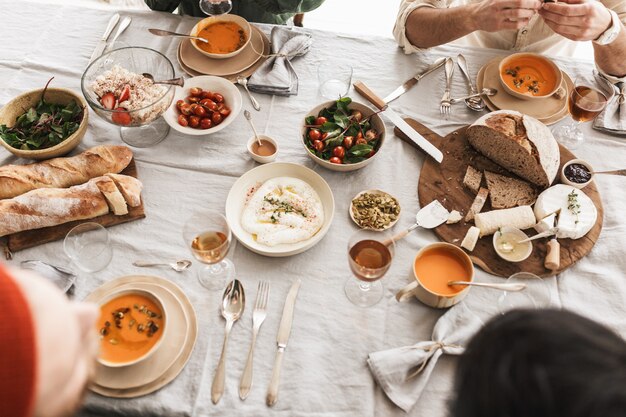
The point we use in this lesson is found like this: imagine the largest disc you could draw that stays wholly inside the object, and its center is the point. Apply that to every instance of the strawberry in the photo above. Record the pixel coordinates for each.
(120, 116)
(108, 101)
(125, 93)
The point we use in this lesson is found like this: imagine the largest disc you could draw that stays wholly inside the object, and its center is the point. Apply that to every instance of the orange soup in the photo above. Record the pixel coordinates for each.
(530, 76)
(223, 37)
(129, 326)
(435, 267)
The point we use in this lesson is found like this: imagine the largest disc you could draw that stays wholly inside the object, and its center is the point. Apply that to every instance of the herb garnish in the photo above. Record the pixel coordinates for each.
(281, 207)
(573, 205)
(43, 126)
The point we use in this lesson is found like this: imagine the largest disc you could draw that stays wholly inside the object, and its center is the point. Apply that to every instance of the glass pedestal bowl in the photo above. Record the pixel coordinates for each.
(139, 116)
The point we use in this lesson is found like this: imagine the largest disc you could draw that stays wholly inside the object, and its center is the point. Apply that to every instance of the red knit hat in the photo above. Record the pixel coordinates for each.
(17, 350)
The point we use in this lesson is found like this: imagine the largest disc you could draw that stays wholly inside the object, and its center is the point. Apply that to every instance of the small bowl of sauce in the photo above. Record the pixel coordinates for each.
(577, 173)
(506, 242)
(264, 152)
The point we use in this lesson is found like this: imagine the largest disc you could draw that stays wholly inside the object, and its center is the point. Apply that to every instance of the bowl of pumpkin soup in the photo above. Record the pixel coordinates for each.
(227, 35)
(433, 267)
(530, 76)
(131, 326)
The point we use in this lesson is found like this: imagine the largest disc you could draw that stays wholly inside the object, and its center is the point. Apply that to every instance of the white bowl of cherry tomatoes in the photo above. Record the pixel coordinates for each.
(205, 105)
(343, 135)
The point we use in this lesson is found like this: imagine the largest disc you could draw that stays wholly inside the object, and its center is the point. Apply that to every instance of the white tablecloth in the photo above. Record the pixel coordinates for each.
(324, 372)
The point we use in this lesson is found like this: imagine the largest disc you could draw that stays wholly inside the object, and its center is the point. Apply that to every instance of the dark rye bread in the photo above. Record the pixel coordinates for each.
(507, 192)
(518, 143)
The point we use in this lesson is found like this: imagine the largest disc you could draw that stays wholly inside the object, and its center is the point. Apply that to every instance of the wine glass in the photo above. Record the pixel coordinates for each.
(215, 7)
(208, 236)
(536, 295)
(589, 97)
(369, 256)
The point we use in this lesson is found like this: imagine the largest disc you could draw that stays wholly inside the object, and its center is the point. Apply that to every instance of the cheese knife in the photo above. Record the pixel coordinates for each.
(284, 330)
(412, 81)
(553, 257)
(103, 41)
(398, 121)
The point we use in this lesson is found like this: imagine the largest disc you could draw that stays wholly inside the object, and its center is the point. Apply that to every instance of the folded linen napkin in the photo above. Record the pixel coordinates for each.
(59, 276)
(404, 372)
(276, 75)
(613, 119)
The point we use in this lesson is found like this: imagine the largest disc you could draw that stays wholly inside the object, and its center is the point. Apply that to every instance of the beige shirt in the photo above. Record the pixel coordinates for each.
(536, 37)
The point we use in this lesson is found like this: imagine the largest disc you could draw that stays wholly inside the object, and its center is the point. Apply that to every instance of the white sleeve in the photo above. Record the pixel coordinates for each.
(399, 29)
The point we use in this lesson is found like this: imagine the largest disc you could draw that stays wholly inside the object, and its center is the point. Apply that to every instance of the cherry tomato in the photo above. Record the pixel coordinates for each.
(348, 141)
(218, 98)
(183, 121)
(314, 134)
(321, 120)
(205, 123)
(339, 151)
(179, 103)
(193, 99)
(208, 103)
(359, 135)
(371, 134)
(195, 91)
(199, 111)
(324, 135)
(216, 118)
(225, 112)
(121, 116)
(186, 109)
(357, 115)
(360, 141)
(318, 145)
(335, 160)
(207, 94)
(194, 121)
(372, 153)
(192, 107)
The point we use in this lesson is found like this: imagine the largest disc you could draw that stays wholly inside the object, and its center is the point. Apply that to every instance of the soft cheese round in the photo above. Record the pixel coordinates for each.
(283, 210)
(576, 212)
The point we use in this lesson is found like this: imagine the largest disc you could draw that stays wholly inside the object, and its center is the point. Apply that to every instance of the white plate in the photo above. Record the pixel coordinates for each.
(232, 98)
(237, 196)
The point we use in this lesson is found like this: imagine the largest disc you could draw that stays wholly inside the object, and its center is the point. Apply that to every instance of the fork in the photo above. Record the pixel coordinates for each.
(258, 317)
(444, 107)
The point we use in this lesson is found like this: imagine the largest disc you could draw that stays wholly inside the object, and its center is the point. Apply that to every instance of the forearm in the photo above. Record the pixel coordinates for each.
(611, 58)
(427, 27)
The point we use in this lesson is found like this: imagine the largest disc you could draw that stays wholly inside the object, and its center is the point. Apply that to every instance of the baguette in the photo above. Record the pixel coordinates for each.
(130, 188)
(114, 198)
(63, 172)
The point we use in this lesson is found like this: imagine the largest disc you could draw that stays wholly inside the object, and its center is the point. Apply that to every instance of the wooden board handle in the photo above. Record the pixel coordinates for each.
(363, 90)
(553, 258)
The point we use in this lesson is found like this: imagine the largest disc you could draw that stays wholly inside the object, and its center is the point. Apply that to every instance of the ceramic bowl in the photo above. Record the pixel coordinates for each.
(525, 250)
(553, 68)
(376, 192)
(164, 328)
(578, 185)
(239, 192)
(221, 18)
(259, 158)
(20, 104)
(232, 98)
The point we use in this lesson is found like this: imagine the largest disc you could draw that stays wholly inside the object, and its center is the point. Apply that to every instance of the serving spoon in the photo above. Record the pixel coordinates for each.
(161, 32)
(178, 266)
(233, 303)
(513, 287)
(173, 81)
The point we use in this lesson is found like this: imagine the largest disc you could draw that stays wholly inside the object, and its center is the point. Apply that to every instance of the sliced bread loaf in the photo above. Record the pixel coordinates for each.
(507, 192)
(472, 179)
(518, 143)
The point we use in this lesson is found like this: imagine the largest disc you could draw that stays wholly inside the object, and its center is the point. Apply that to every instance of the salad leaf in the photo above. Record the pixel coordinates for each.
(310, 120)
(360, 150)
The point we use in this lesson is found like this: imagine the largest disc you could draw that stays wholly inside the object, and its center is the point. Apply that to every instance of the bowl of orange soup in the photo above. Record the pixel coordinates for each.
(227, 35)
(433, 267)
(131, 326)
(529, 76)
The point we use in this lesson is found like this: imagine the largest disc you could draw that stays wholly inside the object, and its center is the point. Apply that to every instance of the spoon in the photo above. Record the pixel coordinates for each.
(484, 92)
(174, 81)
(178, 266)
(161, 32)
(233, 303)
(621, 172)
(243, 81)
(504, 287)
(249, 119)
(473, 103)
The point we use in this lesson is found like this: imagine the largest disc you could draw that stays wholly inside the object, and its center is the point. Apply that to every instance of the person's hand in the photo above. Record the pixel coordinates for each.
(497, 15)
(577, 20)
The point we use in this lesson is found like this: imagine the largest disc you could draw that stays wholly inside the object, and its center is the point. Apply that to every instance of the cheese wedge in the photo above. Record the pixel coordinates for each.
(576, 212)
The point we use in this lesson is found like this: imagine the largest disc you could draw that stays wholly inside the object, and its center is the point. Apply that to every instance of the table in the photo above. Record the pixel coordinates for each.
(324, 370)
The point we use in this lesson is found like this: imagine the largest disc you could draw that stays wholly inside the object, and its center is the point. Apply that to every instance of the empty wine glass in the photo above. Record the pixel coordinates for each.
(589, 97)
(215, 7)
(369, 260)
(208, 236)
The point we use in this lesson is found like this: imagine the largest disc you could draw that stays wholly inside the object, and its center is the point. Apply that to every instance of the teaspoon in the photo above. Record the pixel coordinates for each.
(161, 32)
(178, 266)
(243, 81)
(484, 92)
(233, 303)
(504, 287)
(174, 81)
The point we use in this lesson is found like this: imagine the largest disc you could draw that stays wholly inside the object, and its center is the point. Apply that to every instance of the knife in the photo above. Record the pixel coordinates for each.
(412, 81)
(398, 121)
(553, 257)
(103, 41)
(281, 340)
(121, 28)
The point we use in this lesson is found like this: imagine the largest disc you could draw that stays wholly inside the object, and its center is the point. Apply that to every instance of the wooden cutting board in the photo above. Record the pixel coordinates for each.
(29, 238)
(444, 182)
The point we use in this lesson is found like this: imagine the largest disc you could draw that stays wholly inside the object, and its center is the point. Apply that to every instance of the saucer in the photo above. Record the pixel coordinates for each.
(199, 63)
(549, 110)
(166, 363)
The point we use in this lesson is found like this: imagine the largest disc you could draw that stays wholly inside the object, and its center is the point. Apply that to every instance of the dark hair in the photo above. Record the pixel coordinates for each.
(535, 363)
